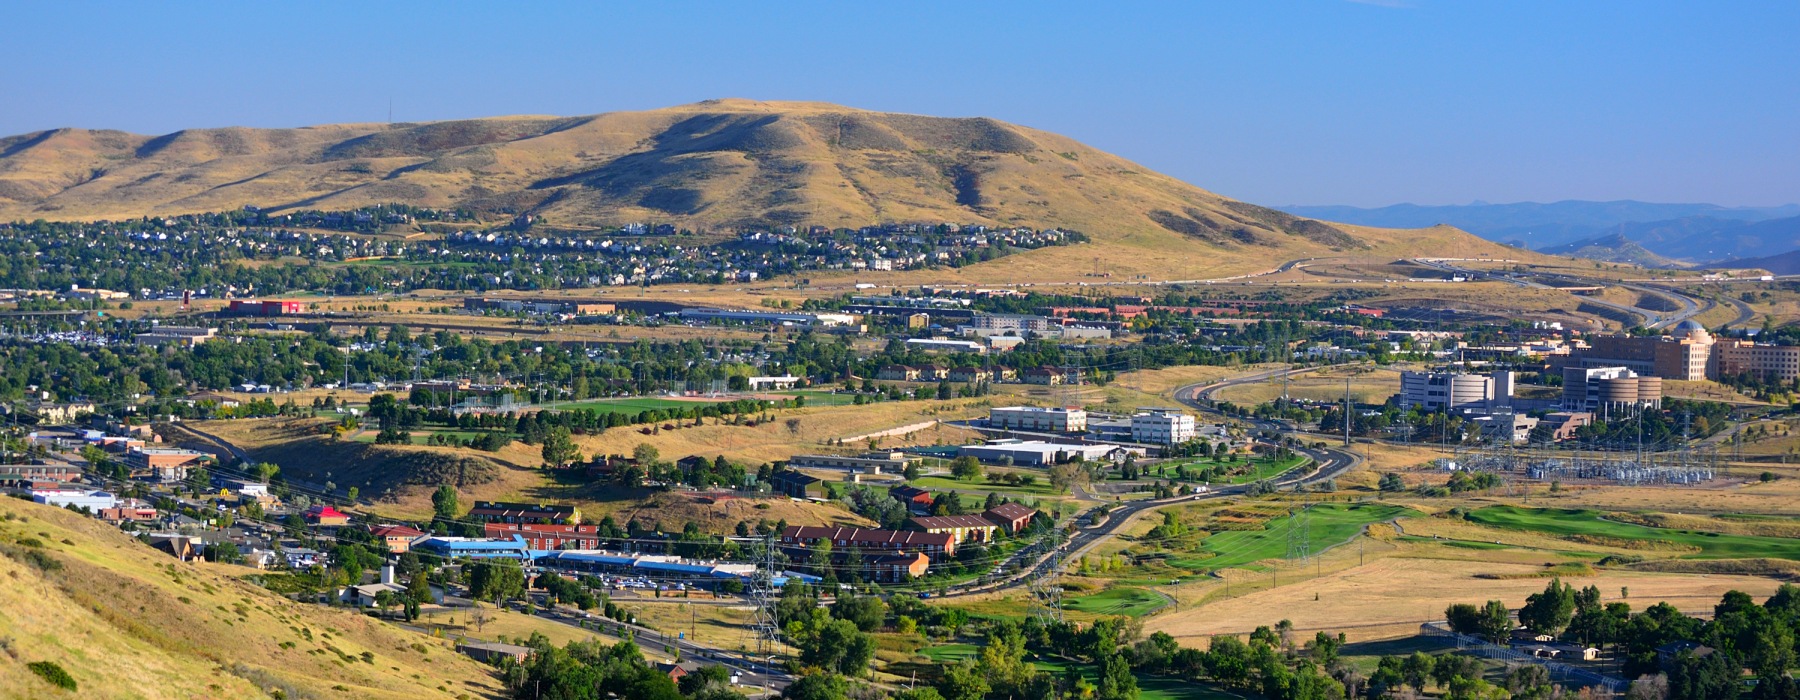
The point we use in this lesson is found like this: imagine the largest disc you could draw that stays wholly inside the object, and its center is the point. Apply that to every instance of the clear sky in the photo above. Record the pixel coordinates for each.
(1328, 102)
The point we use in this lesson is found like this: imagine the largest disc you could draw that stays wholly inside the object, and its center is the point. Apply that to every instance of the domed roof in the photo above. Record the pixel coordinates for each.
(1689, 325)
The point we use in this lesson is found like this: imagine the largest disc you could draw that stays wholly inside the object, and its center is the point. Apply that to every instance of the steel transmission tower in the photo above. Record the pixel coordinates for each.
(763, 592)
(1044, 584)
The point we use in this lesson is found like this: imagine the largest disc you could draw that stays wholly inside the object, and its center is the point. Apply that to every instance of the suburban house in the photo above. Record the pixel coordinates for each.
(397, 538)
(898, 568)
(182, 548)
(970, 375)
(934, 545)
(1012, 516)
(912, 496)
(1043, 376)
(326, 516)
(300, 557)
(499, 512)
(794, 484)
(961, 528)
(898, 373)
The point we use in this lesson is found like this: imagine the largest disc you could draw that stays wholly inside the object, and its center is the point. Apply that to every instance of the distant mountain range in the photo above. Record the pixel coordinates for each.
(1622, 231)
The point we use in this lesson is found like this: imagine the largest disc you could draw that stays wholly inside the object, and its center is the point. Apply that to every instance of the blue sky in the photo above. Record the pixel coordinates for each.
(1329, 102)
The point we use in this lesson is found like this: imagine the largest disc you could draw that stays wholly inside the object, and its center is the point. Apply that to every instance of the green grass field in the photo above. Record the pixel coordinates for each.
(1123, 600)
(1712, 545)
(950, 653)
(1150, 687)
(816, 397)
(1328, 525)
(637, 405)
(1259, 468)
(1041, 488)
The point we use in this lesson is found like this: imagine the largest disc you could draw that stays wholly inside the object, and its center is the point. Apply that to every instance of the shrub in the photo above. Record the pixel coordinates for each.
(52, 674)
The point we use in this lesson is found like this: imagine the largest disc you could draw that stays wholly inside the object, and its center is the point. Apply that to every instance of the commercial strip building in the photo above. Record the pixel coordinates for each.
(1054, 420)
(474, 547)
(780, 318)
(164, 463)
(1162, 426)
(539, 305)
(95, 501)
(175, 335)
(868, 463)
(252, 307)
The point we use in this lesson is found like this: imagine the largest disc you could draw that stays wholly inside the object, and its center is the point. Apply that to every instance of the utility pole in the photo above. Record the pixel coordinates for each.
(1346, 411)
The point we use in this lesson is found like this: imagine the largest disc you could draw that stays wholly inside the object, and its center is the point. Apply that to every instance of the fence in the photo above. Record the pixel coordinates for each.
(1559, 672)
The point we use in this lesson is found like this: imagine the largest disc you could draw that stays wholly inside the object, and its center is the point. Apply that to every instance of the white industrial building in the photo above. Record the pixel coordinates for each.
(63, 498)
(1034, 453)
(946, 345)
(1436, 391)
(1056, 420)
(1162, 427)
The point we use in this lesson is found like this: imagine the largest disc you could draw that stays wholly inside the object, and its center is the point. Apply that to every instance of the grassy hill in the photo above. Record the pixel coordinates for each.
(716, 165)
(126, 621)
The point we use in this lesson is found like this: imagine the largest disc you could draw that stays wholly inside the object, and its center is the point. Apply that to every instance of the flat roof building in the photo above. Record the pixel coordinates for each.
(1162, 427)
(1056, 420)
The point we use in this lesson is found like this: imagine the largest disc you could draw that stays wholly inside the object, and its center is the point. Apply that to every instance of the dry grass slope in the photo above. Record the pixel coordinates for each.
(714, 164)
(127, 621)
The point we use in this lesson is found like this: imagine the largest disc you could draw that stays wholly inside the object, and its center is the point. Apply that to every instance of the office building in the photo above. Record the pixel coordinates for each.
(1609, 390)
(1056, 420)
(1162, 427)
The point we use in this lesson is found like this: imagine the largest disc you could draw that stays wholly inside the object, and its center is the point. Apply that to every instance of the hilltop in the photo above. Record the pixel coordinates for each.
(717, 165)
(125, 620)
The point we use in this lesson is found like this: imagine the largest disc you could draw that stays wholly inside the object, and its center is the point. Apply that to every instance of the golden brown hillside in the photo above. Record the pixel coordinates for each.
(717, 165)
(126, 621)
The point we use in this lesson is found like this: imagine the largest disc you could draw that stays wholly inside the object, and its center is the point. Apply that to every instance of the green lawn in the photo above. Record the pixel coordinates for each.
(950, 653)
(1712, 545)
(635, 405)
(1328, 525)
(1123, 600)
(1150, 687)
(1041, 488)
(816, 397)
(1258, 469)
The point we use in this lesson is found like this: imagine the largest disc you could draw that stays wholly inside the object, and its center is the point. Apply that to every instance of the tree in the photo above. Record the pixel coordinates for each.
(818, 686)
(1415, 670)
(224, 553)
(645, 454)
(1392, 482)
(1549, 612)
(1067, 476)
(419, 588)
(443, 502)
(1496, 622)
(559, 448)
(496, 580)
(1464, 619)
(866, 611)
(966, 467)
(1708, 677)
(1116, 681)
(962, 682)
(266, 471)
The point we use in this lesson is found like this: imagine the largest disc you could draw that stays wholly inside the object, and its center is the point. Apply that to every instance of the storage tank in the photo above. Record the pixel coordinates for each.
(1470, 389)
(1617, 392)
